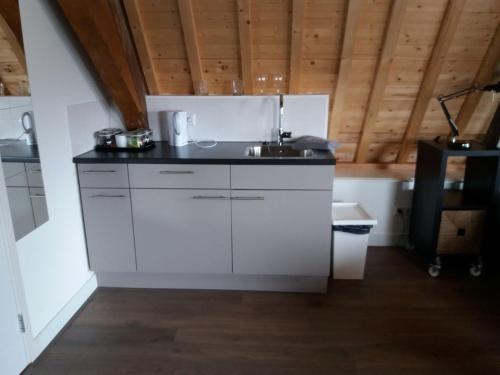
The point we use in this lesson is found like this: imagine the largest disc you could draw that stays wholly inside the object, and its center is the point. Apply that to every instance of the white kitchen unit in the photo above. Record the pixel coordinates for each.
(26, 197)
(208, 225)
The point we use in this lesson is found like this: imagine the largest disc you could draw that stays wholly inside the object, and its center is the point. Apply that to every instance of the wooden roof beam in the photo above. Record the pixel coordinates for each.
(426, 92)
(142, 46)
(298, 11)
(483, 77)
(245, 36)
(10, 23)
(398, 8)
(101, 27)
(9, 10)
(353, 11)
(191, 40)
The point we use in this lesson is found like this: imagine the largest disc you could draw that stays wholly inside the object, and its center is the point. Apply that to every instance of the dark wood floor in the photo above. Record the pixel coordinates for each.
(397, 321)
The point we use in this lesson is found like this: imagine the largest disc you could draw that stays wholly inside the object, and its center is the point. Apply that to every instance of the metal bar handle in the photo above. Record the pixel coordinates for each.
(107, 196)
(247, 198)
(36, 170)
(210, 197)
(98, 172)
(176, 172)
(37, 196)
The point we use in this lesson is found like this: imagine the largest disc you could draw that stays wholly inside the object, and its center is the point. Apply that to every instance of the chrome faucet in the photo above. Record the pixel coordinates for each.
(281, 133)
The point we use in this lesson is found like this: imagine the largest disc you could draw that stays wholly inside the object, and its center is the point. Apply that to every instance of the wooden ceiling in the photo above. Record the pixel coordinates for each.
(383, 62)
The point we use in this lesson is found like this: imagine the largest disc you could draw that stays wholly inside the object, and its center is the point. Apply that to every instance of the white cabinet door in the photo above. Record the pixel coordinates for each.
(182, 231)
(21, 211)
(108, 227)
(39, 205)
(281, 232)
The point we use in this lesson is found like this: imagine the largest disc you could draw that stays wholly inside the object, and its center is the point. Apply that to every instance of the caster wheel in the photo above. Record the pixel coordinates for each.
(476, 270)
(434, 270)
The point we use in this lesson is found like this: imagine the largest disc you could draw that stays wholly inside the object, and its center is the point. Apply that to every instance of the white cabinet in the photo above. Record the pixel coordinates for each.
(283, 177)
(182, 231)
(21, 211)
(281, 232)
(34, 173)
(39, 205)
(179, 176)
(208, 219)
(108, 228)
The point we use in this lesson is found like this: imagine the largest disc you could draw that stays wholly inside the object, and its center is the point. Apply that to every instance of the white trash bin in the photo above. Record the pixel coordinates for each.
(351, 230)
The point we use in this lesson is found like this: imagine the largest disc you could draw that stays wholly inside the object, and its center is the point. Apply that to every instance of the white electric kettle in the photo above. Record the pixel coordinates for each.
(177, 128)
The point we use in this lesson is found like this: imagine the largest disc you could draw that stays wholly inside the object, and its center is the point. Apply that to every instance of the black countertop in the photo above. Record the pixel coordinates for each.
(19, 152)
(223, 153)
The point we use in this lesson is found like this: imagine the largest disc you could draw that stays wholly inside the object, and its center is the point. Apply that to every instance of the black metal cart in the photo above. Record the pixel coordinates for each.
(480, 193)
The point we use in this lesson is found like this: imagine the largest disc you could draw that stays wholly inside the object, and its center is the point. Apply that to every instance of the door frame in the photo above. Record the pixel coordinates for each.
(8, 244)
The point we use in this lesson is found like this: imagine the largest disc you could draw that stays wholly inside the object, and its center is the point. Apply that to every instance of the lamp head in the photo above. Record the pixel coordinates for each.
(495, 87)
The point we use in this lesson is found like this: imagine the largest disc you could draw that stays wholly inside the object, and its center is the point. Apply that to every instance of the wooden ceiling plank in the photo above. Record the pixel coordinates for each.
(426, 91)
(245, 38)
(143, 50)
(351, 23)
(398, 8)
(483, 77)
(190, 40)
(101, 27)
(298, 13)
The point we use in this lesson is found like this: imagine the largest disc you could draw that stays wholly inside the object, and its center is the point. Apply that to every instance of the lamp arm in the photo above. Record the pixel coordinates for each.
(453, 126)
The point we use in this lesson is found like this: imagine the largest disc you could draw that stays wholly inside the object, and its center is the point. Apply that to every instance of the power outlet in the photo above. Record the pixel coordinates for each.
(191, 119)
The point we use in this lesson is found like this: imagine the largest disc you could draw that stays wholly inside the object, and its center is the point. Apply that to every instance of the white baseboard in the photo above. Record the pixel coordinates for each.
(44, 338)
(303, 284)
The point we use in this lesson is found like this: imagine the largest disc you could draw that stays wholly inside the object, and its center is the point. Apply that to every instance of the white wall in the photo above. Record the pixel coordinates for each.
(241, 118)
(381, 198)
(53, 258)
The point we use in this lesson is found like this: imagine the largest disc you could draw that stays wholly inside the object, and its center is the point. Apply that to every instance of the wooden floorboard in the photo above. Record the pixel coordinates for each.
(397, 321)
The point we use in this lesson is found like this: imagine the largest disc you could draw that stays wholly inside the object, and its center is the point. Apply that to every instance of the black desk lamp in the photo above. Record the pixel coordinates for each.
(454, 142)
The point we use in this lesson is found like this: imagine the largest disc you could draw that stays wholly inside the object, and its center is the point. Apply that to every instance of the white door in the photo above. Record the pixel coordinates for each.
(13, 358)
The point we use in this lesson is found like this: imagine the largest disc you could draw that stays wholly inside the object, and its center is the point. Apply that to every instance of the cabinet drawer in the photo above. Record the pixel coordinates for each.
(103, 175)
(460, 232)
(284, 177)
(179, 176)
(34, 173)
(108, 228)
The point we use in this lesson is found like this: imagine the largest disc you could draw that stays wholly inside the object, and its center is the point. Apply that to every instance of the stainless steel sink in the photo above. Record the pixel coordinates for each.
(276, 151)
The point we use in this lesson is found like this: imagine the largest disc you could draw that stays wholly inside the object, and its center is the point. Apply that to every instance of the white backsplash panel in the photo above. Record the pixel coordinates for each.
(306, 115)
(11, 110)
(241, 118)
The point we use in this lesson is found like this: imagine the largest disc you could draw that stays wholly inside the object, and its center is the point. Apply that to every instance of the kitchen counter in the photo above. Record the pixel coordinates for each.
(222, 153)
(19, 152)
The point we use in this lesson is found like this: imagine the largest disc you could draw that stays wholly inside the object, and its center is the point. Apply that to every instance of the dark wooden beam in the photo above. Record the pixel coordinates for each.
(10, 23)
(9, 10)
(101, 27)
